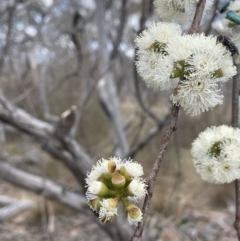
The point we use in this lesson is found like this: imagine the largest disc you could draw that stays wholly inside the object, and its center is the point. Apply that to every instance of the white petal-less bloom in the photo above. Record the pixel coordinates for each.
(158, 32)
(107, 210)
(93, 176)
(207, 57)
(180, 11)
(95, 187)
(153, 63)
(216, 154)
(134, 221)
(155, 69)
(134, 169)
(197, 94)
(180, 49)
(207, 138)
(138, 188)
(90, 196)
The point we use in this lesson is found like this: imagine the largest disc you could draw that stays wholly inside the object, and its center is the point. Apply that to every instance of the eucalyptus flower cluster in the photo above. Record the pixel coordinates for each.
(193, 65)
(216, 154)
(112, 181)
(179, 11)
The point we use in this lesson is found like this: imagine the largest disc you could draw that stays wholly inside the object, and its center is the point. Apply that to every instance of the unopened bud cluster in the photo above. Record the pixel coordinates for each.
(112, 181)
(216, 154)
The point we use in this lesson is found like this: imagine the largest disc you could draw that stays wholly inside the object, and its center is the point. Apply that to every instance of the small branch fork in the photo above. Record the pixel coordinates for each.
(235, 113)
(172, 126)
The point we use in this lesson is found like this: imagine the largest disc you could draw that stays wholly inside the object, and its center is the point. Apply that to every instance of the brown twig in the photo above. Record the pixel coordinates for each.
(235, 112)
(172, 126)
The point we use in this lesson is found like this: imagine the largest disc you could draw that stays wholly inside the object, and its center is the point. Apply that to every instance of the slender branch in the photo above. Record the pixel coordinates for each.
(34, 183)
(13, 209)
(11, 11)
(172, 126)
(197, 17)
(235, 113)
(120, 30)
(151, 134)
(65, 149)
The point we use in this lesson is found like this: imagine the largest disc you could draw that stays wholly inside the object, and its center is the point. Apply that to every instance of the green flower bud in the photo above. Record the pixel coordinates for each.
(101, 190)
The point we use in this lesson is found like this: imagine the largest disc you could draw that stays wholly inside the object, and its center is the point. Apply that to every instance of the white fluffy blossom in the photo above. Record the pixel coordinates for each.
(154, 64)
(206, 64)
(108, 209)
(180, 11)
(155, 69)
(197, 94)
(194, 65)
(138, 188)
(216, 154)
(209, 57)
(95, 187)
(134, 169)
(160, 32)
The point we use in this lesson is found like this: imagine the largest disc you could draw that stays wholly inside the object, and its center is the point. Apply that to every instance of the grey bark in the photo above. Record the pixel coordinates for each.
(48, 188)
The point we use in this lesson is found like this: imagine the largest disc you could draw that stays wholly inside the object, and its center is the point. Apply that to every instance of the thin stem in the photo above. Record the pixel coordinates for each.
(172, 126)
(235, 112)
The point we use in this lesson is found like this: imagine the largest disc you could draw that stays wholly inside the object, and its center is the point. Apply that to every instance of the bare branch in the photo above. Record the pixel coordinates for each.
(11, 11)
(67, 150)
(120, 30)
(13, 209)
(151, 134)
(6, 200)
(34, 183)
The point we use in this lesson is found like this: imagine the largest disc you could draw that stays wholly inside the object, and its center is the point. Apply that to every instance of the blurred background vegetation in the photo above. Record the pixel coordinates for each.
(57, 53)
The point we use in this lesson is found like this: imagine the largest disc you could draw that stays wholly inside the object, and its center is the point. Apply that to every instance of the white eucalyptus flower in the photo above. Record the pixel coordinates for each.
(134, 169)
(154, 64)
(197, 94)
(155, 69)
(160, 32)
(108, 209)
(216, 154)
(209, 57)
(137, 188)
